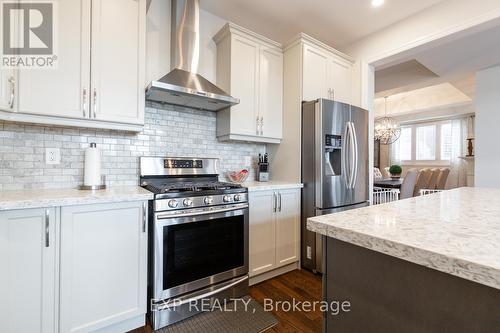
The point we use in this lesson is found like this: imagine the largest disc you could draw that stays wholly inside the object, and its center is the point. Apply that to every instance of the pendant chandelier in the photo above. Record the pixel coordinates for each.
(387, 129)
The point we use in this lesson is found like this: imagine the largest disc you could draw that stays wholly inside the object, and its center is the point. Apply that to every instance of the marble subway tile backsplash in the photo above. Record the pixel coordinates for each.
(167, 132)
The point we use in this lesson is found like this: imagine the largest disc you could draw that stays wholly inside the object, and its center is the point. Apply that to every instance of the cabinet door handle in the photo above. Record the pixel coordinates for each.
(95, 102)
(47, 227)
(84, 102)
(279, 199)
(144, 217)
(12, 98)
(257, 130)
(333, 93)
(275, 202)
(261, 125)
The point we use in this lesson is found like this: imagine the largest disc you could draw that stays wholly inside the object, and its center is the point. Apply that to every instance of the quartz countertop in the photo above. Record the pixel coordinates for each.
(271, 185)
(456, 231)
(23, 199)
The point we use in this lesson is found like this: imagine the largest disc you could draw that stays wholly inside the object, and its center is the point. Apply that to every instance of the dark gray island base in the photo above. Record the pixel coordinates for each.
(388, 294)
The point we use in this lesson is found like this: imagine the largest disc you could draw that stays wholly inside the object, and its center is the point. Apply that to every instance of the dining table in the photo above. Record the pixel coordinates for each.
(388, 183)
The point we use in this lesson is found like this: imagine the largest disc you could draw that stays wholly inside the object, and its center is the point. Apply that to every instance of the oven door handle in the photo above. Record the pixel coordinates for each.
(182, 301)
(170, 216)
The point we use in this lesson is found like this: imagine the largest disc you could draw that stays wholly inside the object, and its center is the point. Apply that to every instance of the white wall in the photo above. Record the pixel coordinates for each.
(487, 128)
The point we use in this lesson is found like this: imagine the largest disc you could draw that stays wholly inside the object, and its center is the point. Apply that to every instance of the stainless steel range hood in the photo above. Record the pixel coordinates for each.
(183, 86)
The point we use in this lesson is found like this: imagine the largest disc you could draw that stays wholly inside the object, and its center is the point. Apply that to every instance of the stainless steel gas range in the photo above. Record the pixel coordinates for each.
(198, 237)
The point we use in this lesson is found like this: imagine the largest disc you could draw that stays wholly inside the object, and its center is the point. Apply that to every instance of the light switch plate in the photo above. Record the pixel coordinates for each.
(248, 161)
(52, 156)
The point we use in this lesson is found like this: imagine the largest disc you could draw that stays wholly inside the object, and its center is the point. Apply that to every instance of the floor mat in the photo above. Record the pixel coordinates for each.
(254, 320)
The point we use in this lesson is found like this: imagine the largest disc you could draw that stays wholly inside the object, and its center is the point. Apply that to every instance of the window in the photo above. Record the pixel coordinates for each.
(424, 143)
(446, 143)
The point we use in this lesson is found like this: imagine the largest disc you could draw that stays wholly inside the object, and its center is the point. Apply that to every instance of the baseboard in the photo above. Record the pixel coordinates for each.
(274, 273)
(124, 326)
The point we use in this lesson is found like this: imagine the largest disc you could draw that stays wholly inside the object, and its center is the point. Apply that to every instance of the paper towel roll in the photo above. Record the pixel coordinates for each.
(92, 172)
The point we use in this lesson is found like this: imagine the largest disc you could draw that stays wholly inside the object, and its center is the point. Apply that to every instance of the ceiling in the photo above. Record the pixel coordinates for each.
(334, 22)
(402, 77)
(439, 96)
(438, 77)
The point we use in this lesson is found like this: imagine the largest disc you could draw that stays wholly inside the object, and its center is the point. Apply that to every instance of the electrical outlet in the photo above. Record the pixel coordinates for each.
(309, 253)
(248, 161)
(52, 156)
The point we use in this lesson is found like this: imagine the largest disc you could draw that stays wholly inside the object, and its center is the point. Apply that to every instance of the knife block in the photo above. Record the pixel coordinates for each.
(263, 172)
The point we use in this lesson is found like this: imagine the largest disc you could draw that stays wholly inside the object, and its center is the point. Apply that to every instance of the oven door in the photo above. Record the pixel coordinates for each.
(196, 249)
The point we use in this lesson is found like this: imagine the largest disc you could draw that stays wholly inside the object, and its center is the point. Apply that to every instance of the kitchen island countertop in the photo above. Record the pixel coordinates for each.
(455, 231)
(24, 199)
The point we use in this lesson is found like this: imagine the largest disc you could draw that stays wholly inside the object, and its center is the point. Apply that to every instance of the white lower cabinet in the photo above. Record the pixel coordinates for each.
(288, 227)
(74, 269)
(28, 279)
(262, 233)
(274, 236)
(103, 265)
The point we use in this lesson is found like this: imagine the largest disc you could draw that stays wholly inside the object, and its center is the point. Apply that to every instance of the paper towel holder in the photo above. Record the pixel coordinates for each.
(92, 188)
(102, 186)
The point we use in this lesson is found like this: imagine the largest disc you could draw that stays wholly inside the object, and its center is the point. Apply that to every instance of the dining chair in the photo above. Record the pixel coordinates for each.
(408, 185)
(424, 176)
(443, 176)
(434, 178)
(386, 173)
(377, 175)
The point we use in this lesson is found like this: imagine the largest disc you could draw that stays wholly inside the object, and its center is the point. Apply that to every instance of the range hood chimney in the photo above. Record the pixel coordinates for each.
(183, 86)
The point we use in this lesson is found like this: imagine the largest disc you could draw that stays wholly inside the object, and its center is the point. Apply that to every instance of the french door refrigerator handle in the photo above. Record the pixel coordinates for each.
(345, 156)
(352, 155)
(356, 154)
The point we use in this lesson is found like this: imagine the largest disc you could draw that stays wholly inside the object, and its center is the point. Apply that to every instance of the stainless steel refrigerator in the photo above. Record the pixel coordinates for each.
(334, 166)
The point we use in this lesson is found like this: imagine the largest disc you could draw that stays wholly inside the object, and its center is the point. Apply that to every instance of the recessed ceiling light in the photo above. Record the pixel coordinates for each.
(377, 3)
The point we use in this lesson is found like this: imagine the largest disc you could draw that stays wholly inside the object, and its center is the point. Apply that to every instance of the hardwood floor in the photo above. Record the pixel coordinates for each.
(300, 285)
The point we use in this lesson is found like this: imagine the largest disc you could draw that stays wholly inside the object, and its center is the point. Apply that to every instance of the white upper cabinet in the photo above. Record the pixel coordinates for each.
(271, 93)
(326, 73)
(315, 84)
(250, 67)
(99, 77)
(340, 80)
(28, 282)
(64, 90)
(118, 60)
(244, 70)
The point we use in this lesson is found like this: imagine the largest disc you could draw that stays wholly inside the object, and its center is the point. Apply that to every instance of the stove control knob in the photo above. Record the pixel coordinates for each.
(227, 198)
(237, 197)
(208, 200)
(172, 203)
(187, 202)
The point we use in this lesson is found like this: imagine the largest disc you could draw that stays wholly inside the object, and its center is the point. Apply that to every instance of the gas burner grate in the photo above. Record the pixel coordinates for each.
(190, 187)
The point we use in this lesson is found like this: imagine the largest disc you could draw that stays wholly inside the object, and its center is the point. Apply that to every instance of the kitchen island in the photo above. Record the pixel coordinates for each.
(425, 264)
